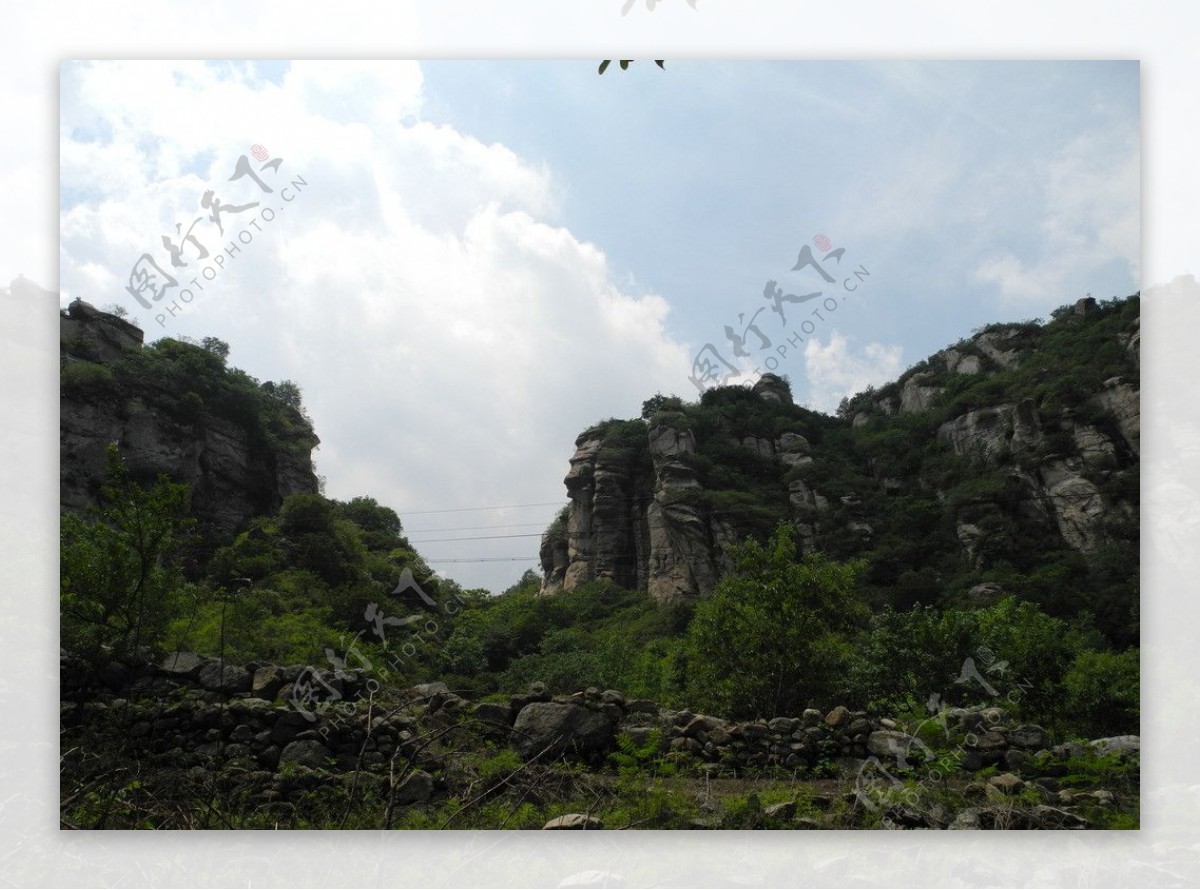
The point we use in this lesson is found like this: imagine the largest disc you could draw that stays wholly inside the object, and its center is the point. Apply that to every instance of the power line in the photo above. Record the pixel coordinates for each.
(476, 538)
(725, 513)
(472, 528)
(485, 559)
(478, 509)
(979, 501)
(647, 499)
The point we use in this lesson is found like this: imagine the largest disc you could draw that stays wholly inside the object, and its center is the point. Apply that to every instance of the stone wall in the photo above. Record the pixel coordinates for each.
(192, 710)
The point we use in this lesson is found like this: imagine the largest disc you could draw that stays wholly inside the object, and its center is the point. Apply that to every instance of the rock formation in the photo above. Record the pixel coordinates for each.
(234, 470)
(1024, 407)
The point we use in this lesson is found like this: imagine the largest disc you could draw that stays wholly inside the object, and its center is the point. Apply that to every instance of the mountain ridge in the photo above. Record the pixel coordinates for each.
(1015, 452)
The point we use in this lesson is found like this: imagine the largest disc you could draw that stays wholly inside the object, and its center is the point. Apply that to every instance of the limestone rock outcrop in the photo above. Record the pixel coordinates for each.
(1055, 452)
(233, 471)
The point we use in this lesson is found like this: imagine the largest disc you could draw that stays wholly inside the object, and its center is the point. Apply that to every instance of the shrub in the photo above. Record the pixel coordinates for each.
(1102, 693)
(87, 379)
(771, 639)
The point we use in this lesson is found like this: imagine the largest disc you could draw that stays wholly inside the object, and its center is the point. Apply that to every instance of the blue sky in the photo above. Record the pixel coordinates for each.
(703, 180)
(489, 256)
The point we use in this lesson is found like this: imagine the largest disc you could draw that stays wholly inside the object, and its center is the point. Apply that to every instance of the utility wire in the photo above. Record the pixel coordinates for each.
(726, 513)
(486, 559)
(476, 538)
(478, 509)
(472, 528)
(648, 498)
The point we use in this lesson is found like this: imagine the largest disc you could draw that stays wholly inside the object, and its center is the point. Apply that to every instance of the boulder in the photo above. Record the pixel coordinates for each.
(574, 822)
(838, 716)
(267, 681)
(1045, 817)
(793, 450)
(1007, 783)
(993, 716)
(429, 690)
(983, 432)
(1027, 735)
(918, 394)
(983, 749)
(308, 752)
(416, 787)
(549, 729)
(988, 592)
(640, 735)
(288, 725)
(992, 345)
(772, 387)
(1017, 760)
(666, 441)
(640, 706)
(1119, 744)
(701, 723)
(781, 811)
(493, 713)
(967, 820)
(896, 744)
(183, 664)
(229, 678)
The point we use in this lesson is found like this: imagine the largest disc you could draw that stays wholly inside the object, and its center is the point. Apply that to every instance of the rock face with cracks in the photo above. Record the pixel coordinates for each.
(648, 508)
(234, 471)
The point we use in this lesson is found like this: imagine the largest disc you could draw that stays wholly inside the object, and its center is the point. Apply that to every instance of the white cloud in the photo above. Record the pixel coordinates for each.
(450, 338)
(835, 370)
(1090, 216)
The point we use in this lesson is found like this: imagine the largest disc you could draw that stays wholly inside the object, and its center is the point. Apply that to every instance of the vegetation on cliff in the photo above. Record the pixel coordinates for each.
(872, 567)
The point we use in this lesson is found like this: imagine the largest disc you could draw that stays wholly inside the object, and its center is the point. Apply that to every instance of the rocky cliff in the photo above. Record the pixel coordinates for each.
(175, 408)
(1009, 457)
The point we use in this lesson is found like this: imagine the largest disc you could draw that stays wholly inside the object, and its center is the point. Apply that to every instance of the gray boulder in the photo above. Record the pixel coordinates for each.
(267, 681)
(416, 787)
(896, 744)
(183, 664)
(229, 678)
(308, 752)
(556, 728)
(1118, 744)
(1029, 736)
(428, 690)
(574, 822)
(493, 713)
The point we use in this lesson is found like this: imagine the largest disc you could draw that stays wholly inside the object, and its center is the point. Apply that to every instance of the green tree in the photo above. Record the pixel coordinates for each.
(288, 392)
(772, 639)
(1102, 693)
(216, 346)
(119, 578)
(380, 525)
(659, 403)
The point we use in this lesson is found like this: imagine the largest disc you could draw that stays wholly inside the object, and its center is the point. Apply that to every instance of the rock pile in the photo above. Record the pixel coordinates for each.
(264, 717)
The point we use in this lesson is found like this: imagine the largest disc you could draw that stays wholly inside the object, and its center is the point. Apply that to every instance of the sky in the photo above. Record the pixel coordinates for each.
(37, 37)
(465, 264)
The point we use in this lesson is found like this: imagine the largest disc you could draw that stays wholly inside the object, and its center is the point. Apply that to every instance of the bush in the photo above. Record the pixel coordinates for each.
(771, 639)
(1101, 694)
(119, 575)
(87, 379)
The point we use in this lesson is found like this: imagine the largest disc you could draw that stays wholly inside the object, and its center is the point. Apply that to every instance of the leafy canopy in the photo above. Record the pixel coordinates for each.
(773, 637)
